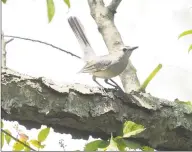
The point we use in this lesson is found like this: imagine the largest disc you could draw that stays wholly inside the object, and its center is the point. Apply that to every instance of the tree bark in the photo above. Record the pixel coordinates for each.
(83, 111)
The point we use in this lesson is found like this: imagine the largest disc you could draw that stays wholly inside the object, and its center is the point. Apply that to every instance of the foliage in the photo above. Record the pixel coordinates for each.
(150, 77)
(7, 138)
(22, 143)
(2, 139)
(146, 148)
(4, 1)
(51, 8)
(120, 142)
(43, 134)
(190, 48)
(18, 146)
(94, 145)
(1, 124)
(185, 33)
(40, 138)
(188, 32)
(185, 103)
(67, 2)
(36, 144)
(130, 129)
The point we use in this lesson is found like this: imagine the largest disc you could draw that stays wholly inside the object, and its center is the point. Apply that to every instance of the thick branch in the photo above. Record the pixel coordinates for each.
(104, 19)
(82, 111)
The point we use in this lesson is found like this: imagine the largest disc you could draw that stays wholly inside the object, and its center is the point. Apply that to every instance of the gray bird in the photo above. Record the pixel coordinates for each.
(105, 67)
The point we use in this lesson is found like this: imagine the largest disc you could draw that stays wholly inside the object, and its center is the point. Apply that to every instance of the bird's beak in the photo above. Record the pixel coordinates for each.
(133, 48)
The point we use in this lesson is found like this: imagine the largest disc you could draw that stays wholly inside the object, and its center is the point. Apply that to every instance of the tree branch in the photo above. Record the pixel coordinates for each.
(82, 111)
(9, 41)
(113, 5)
(4, 51)
(104, 19)
(53, 46)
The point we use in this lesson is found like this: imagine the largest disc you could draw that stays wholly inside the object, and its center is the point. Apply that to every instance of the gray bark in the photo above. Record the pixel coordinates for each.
(83, 111)
(3, 49)
(3, 53)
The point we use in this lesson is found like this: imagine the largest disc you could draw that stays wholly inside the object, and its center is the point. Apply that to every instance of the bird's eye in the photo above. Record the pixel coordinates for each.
(124, 49)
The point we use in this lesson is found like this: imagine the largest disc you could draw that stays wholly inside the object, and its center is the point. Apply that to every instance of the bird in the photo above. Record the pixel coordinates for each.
(106, 66)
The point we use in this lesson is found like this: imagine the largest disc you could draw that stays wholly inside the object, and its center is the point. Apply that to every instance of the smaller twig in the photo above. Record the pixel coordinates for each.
(9, 41)
(17, 140)
(28, 39)
(150, 77)
(114, 5)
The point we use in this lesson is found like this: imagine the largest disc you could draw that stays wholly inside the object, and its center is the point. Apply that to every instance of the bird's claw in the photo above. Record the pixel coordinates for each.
(103, 90)
(118, 88)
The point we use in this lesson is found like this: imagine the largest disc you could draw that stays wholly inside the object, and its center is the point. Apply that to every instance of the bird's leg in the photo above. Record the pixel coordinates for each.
(106, 81)
(103, 89)
(116, 85)
(94, 79)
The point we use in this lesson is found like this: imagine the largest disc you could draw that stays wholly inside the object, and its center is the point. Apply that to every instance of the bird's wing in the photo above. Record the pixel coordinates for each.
(79, 32)
(98, 65)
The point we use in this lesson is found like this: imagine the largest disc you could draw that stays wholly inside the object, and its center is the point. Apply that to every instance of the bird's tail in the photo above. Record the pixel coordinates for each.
(78, 30)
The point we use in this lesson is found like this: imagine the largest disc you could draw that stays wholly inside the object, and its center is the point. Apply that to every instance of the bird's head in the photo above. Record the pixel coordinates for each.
(128, 49)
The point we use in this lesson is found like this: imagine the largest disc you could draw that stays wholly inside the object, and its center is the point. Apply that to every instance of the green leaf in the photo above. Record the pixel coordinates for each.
(50, 9)
(94, 145)
(18, 146)
(190, 48)
(43, 134)
(146, 148)
(132, 145)
(67, 2)
(7, 137)
(36, 143)
(185, 33)
(4, 1)
(1, 124)
(130, 128)
(2, 139)
(186, 103)
(118, 137)
(150, 77)
(113, 144)
(121, 145)
(26, 148)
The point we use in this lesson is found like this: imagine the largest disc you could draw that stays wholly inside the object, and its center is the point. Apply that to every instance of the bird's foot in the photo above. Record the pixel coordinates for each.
(118, 88)
(103, 90)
